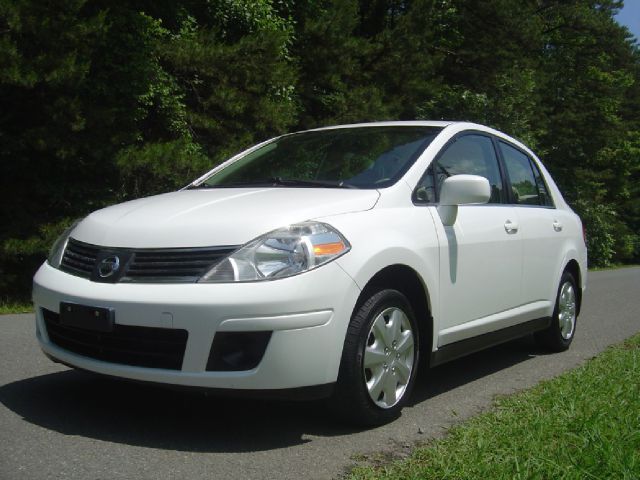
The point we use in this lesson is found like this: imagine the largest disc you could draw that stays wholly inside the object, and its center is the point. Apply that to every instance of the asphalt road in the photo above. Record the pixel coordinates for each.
(59, 423)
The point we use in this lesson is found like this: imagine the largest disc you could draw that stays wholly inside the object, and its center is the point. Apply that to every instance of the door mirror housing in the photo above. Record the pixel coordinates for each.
(461, 190)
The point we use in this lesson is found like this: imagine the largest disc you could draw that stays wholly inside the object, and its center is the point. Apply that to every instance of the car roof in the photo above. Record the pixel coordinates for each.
(404, 123)
(456, 125)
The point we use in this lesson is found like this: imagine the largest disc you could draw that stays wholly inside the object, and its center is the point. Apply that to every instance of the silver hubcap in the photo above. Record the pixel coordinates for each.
(567, 310)
(388, 357)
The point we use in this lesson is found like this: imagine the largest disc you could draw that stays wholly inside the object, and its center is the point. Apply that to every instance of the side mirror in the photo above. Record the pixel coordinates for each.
(461, 190)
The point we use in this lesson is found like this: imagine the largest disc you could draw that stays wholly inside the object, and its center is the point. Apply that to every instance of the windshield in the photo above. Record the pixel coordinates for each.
(359, 157)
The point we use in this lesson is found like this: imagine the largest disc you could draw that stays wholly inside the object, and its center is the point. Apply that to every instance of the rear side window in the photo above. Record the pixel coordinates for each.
(527, 185)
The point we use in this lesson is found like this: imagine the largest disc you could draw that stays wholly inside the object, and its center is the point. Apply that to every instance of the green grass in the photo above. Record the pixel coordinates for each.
(10, 306)
(614, 267)
(583, 424)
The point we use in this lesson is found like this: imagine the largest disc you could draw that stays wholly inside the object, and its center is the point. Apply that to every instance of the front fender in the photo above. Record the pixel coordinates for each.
(392, 236)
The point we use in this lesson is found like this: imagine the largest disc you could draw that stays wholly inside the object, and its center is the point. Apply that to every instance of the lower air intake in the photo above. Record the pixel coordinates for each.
(127, 345)
(237, 351)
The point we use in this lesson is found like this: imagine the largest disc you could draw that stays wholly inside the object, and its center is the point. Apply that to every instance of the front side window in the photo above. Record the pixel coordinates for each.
(470, 155)
(359, 157)
(527, 187)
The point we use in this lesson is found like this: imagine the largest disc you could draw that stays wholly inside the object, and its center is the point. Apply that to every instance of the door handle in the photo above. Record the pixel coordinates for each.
(511, 227)
(557, 226)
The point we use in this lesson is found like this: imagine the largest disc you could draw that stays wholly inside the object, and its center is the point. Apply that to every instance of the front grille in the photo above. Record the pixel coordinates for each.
(128, 345)
(186, 265)
(169, 265)
(79, 258)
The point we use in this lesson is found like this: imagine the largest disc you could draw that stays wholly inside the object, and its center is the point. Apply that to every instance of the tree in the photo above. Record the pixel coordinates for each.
(102, 101)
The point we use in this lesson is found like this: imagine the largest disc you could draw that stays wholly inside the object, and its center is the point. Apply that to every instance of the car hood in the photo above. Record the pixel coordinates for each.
(213, 217)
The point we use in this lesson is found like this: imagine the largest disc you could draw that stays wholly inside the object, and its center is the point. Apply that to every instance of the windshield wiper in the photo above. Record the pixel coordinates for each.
(277, 181)
(293, 182)
(260, 183)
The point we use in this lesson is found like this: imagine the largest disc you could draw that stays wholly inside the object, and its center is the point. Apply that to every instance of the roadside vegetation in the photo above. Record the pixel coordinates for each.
(613, 267)
(105, 101)
(8, 306)
(580, 425)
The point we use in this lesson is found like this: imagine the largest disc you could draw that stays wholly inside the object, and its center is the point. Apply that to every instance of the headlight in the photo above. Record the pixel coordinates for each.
(57, 249)
(281, 253)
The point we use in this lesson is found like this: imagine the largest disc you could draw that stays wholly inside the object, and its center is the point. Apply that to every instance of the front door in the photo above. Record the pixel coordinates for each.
(481, 253)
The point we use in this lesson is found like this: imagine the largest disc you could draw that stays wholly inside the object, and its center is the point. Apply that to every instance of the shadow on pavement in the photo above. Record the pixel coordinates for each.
(452, 375)
(78, 403)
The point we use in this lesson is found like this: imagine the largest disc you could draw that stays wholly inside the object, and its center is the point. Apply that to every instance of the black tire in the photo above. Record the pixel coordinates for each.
(351, 399)
(552, 338)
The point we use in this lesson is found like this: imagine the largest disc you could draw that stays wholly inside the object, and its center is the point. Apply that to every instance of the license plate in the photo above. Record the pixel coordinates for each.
(97, 319)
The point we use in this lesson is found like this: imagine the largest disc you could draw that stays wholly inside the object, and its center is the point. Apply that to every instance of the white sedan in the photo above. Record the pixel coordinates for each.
(323, 263)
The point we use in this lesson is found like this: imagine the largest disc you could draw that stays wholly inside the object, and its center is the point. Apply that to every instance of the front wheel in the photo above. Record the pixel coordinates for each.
(559, 335)
(379, 360)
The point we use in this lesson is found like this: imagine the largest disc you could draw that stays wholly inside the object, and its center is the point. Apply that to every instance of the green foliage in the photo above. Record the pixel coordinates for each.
(104, 101)
(21, 257)
(335, 83)
(228, 86)
(236, 18)
(599, 221)
(159, 167)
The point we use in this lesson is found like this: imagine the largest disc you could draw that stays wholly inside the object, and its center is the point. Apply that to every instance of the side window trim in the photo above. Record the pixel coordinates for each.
(509, 192)
(506, 180)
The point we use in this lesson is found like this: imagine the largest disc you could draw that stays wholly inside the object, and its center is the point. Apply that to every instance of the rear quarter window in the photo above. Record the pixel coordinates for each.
(527, 184)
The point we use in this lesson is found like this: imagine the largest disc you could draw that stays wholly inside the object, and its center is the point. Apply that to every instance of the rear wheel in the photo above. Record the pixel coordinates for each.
(559, 335)
(379, 360)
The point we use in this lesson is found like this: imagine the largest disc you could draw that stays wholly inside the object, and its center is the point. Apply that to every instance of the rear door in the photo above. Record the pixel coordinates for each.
(541, 226)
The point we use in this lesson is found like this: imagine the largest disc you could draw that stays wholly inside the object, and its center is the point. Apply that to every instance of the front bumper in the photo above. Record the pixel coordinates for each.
(307, 314)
